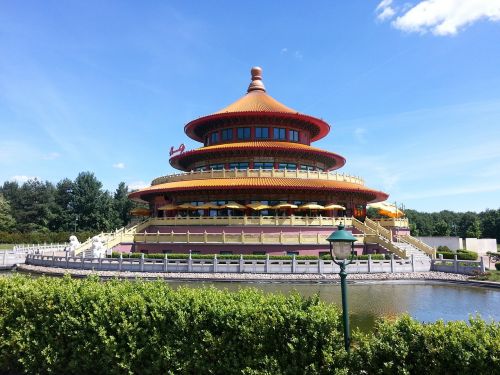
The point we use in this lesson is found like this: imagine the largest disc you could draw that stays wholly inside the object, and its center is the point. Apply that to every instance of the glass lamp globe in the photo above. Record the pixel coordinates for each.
(341, 243)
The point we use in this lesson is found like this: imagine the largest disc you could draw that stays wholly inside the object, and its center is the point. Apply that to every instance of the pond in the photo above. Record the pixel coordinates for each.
(425, 301)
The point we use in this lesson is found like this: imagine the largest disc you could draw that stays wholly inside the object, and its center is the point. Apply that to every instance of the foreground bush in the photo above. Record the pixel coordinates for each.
(66, 326)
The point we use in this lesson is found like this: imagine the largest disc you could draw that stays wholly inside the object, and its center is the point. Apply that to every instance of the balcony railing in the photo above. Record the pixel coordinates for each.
(240, 173)
(253, 220)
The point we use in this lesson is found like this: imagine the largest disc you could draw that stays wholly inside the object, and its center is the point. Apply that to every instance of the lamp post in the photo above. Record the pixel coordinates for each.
(342, 253)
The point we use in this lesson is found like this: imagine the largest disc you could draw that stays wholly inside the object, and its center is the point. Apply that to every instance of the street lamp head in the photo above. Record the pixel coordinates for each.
(341, 243)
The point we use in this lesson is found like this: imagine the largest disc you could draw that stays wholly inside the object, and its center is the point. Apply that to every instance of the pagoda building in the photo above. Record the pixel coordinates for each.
(255, 174)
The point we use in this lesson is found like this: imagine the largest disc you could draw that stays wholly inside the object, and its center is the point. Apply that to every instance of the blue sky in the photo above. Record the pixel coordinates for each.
(411, 89)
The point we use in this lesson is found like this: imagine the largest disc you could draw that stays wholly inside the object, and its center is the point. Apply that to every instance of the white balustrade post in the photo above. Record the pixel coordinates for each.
(120, 262)
(190, 262)
(369, 263)
(412, 262)
(142, 262)
(392, 263)
(83, 259)
(266, 267)
(215, 263)
(455, 263)
(241, 264)
(4, 257)
(165, 263)
(320, 265)
(53, 258)
(481, 260)
(294, 264)
(66, 256)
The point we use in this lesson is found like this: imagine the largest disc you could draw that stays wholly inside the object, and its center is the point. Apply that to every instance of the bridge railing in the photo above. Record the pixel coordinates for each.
(268, 265)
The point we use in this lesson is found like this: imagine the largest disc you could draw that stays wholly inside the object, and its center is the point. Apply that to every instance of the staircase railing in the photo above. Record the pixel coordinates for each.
(373, 233)
(112, 239)
(422, 246)
(379, 228)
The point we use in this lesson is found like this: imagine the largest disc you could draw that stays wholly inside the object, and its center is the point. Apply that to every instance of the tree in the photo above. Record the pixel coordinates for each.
(7, 221)
(122, 204)
(474, 229)
(36, 206)
(441, 228)
(65, 218)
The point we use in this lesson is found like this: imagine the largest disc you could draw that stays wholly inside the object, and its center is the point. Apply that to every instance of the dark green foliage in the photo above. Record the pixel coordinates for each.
(408, 347)
(362, 257)
(70, 326)
(443, 249)
(461, 254)
(219, 256)
(43, 237)
(497, 266)
(38, 207)
(65, 326)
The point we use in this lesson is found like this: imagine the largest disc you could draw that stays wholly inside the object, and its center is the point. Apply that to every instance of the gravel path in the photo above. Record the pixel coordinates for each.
(245, 276)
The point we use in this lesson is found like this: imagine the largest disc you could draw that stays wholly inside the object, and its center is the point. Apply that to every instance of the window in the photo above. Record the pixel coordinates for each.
(243, 133)
(199, 169)
(293, 135)
(306, 168)
(287, 166)
(207, 141)
(260, 165)
(279, 133)
(227, 134)
(214, 137)
(259, 253)
(292, 253)
(217, 167)
(225, 252)
(261, 133)
(241, 165)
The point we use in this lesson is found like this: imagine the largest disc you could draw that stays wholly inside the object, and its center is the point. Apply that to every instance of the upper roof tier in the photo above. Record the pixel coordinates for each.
(255, 107)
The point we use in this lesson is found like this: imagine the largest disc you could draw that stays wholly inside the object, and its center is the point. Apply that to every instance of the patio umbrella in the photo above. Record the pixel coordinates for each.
(334, 207)
(187, 206)
(257, 206)
(168, 207)
(284, 205)
(234, 206)
(140, 212)
(209, 206)
(311, 206)
(387, 209)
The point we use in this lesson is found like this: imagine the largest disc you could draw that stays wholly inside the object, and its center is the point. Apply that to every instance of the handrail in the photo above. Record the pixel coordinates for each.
(429, 250)
(249, 221)
(240, 173)
(379, 229)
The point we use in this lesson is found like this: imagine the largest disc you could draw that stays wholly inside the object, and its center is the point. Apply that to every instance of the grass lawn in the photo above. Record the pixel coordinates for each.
(493, 276)
(6, 246)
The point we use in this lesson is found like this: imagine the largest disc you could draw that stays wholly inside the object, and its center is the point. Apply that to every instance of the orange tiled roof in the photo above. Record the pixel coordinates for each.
(261, 183)
(257, 101)
(334, 160)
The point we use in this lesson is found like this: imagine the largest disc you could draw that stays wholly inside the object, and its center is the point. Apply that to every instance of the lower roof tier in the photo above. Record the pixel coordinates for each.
(293, 151)
(257, 184)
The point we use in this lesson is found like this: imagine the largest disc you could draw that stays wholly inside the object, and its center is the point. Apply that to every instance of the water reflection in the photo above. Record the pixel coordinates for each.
(425, 302)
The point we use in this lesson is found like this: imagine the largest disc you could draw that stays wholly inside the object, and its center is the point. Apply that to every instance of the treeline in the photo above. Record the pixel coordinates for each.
(80, 205)
(485, 224)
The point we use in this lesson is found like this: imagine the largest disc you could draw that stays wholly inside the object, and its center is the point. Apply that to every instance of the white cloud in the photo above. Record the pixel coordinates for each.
(51, 156)
(135, 185)
(359, 134)
(440, 17)
(384, 10)
(284, 50)
(119, 165)
(22, 179)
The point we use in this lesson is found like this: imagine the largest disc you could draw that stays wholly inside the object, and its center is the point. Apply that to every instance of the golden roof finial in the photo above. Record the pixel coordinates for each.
(256, 84)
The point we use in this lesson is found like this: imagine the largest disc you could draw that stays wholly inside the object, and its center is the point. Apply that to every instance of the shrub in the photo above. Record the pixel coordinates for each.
(497, 266)
(67, 326)
(462, 255)
(443, 249)
(219, 256)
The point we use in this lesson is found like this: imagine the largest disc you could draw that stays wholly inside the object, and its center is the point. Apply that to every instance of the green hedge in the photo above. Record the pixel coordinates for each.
(461, 255)
(42, 237)
(497, 266)
(237, 257)
(71, 326)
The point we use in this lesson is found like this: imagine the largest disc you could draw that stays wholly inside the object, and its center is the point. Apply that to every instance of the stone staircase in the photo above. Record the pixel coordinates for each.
(403, 246)
(111, 239)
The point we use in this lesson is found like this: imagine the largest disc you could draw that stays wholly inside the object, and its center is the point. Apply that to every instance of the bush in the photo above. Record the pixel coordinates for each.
(72, 326)
(497, 266)
(443, 249)
(461, 255)
(67, 326)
